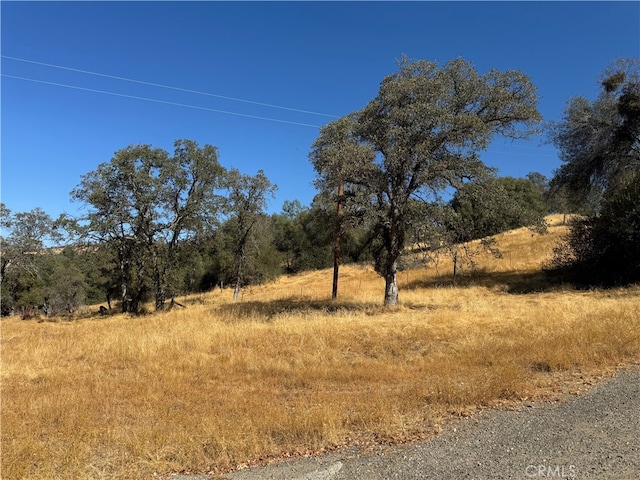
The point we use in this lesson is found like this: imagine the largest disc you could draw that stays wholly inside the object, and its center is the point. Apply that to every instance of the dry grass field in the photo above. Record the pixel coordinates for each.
(286, 371)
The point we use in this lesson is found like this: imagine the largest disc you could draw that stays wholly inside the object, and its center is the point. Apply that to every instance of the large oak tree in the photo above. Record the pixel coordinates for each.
(419, 137)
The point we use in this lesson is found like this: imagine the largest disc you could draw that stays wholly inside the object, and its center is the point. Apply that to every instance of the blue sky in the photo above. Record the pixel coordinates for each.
(322, 57)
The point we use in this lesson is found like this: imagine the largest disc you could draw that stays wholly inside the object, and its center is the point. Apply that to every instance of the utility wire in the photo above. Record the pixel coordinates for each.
(167, 86)
(161, 101)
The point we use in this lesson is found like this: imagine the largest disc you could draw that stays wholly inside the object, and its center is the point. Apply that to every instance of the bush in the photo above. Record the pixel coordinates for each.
(605, 249)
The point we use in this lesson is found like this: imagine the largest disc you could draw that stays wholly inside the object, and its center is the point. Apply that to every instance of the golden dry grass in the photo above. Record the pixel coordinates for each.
(286, 371)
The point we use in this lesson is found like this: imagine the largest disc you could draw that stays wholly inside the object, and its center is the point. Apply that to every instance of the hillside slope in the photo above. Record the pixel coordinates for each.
(285, 371)
(523, 256)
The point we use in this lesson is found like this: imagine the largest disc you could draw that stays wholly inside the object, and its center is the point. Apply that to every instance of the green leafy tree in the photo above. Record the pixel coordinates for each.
(599, 143)
(561, 198)
(496, 205)
(65, 284)
(191, 267)
(289, 236)
(189, 206)
(23, 256)
(23, 238)
(262, 260)
(304, 236)
(539, 180)
(339, 150)
(478, 210)
(101, 278)
(418, 137)
(143, 204)
(246, 201)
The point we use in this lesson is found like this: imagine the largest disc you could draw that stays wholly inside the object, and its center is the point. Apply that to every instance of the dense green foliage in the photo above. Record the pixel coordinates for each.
(495, 206)
(56, 280)
(599, 143)
(25, 267)
(245, 202)
(143, 204)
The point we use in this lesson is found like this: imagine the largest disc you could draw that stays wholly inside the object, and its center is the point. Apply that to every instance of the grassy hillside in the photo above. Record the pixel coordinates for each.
(285, 371)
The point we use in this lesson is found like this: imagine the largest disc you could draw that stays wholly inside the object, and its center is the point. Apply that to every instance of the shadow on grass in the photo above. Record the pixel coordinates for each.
(516, 283)
(296, 306)
(509, 282)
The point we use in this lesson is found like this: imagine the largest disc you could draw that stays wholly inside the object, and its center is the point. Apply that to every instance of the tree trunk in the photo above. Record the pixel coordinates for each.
(158, 280)
(336, 247)
(3, 269)
(124, 292)
(236, 290)
(394, 240)
(455, 267)
(139, 288)
(336, 269)
(391, 287)
(160, 299)
(134, 305)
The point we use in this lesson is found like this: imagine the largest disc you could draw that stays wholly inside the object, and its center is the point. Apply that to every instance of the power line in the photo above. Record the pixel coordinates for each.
(168, 86)
(161, 101)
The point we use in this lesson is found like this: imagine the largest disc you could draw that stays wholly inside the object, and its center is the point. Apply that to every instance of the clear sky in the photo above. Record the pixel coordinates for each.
(320, 57)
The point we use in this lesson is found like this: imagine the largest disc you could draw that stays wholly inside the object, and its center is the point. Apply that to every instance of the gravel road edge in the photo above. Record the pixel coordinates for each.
(595, 435)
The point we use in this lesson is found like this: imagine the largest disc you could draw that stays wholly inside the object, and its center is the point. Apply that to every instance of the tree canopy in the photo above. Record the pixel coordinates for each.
(599, 144)
(419, 137)
(481, 209)
(246, 201)
(23, 263)
(142, 203)
(598, 140)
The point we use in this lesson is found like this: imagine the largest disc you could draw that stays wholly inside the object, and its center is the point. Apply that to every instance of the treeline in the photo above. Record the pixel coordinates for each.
(244, 246)
(403, 173)
(157, 225)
